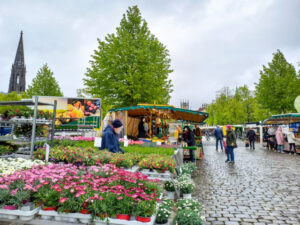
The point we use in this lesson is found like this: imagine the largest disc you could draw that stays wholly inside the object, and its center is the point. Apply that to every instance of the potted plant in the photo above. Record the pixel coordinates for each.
(190, 204)
(188, 217)
(144, 211)
(124, 207)
(164, 212)
(186, 186)
(18, 198)
(4, 196)
(170, 188)
(47, 197)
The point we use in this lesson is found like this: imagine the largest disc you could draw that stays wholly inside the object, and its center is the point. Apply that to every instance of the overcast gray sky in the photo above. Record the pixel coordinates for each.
(212, 44)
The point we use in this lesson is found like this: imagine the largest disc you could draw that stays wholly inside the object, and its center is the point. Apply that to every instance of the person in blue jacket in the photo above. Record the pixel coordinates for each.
(219, 137)
(110, 137)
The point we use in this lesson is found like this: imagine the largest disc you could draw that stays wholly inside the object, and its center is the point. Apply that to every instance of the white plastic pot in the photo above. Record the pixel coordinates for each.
(187, 196)
(171, 195)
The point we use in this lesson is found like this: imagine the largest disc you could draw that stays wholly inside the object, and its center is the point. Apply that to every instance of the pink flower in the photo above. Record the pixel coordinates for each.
(120, 198)
(13, 192)
(62, 200)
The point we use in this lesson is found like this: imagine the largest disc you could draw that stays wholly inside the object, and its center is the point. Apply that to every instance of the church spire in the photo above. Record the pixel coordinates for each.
(18, 71)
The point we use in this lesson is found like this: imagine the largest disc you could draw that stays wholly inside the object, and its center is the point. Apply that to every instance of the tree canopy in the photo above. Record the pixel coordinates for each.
(130, 66)
(278, 85)
(44, 84)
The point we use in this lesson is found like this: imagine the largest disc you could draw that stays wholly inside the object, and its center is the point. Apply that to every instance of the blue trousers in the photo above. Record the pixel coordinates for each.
(217, 143)
(230, 153)
(192, 155)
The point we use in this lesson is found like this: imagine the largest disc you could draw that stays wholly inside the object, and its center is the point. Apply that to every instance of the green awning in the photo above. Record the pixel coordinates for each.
(176, 113)
(283, 119)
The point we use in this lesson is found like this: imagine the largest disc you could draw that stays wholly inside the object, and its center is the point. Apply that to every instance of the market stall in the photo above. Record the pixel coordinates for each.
(287, 121)
(164, 122)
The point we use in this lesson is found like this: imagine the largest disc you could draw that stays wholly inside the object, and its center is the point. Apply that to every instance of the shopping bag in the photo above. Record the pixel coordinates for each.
(224, 146)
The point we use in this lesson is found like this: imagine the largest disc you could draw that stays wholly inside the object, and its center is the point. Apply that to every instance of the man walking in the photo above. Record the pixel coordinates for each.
(219, 137)
(251, 135)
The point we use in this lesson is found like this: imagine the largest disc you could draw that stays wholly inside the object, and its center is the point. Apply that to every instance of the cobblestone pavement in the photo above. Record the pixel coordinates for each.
(260, 188)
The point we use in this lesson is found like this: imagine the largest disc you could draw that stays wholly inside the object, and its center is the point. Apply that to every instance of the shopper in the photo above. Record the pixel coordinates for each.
(188, 137)
(291, 140)
(141, 129)
(279, 139)
(267, 139)
(197, 131)
(230, 143)
(251, 135)
(219, 137)
(110, 137)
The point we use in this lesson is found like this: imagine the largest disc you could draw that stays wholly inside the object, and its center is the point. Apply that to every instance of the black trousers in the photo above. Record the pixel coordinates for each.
(252, 144)
(291, 146)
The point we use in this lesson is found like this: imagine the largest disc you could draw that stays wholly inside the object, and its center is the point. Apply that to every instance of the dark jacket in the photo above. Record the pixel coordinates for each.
(219, 133)
(141, 128)
(251, 135)
(189, 137)
(110, 140)
(230, 138)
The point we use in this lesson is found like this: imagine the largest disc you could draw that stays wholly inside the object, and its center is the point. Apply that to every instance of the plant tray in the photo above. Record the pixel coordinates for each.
(18, 214)
(65, 217)
(156, 175)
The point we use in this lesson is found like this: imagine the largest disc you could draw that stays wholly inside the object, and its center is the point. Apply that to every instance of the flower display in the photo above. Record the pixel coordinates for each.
(10, 165)
(188, 217)
(92, 156)
(190, 204)
(76, 138)
(100, 190)
(185, 184)
(164, 211)
(169, 186)
(185, 169)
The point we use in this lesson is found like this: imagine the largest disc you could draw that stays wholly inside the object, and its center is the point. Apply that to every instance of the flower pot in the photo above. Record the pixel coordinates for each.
(143, 219)
(123, 216)
(132, 218)
(171, 195)
(84, 211)
(49, 208)
(10, 207)
(187, 196)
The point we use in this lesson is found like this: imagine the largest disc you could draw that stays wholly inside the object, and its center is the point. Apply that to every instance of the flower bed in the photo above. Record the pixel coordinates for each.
(10, 165)
(100, 191)
(91, 156)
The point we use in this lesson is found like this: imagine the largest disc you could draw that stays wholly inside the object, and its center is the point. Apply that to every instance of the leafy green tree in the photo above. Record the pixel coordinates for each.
(130, 66)
(278, 85)
(13, 96)
(44, 84)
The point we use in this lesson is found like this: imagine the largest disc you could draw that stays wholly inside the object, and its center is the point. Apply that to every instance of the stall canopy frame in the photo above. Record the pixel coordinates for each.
(177, 113)
(283, 119)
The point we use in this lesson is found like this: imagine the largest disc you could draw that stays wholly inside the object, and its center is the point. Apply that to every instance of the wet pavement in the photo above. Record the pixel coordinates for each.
(260, 188)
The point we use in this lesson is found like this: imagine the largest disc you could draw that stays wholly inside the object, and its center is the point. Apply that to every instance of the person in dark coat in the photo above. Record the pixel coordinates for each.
(110, 137)
(141, 128)
(188, 137)
(219, 137)
(251, 135)
(230, 144)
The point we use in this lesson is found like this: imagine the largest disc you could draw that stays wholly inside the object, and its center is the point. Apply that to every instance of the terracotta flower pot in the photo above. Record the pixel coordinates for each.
(10, 207)
(123, 216)
(143, 219)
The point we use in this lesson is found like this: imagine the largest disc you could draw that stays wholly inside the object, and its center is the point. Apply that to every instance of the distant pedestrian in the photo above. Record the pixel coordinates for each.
(291, 140)
(219, 137)
(230, 144)
(267, 139)
(188, 137)
(279, 139)
(251, 135)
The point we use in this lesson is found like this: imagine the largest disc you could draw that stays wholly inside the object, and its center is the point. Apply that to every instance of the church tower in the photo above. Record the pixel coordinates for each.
(18, 71)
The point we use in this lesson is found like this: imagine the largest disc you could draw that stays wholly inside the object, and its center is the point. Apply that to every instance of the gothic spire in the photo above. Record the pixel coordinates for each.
(19, 59)
(17, 80)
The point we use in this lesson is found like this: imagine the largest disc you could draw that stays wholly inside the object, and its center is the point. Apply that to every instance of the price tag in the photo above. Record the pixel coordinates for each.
(47, 152)
(97, 142)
